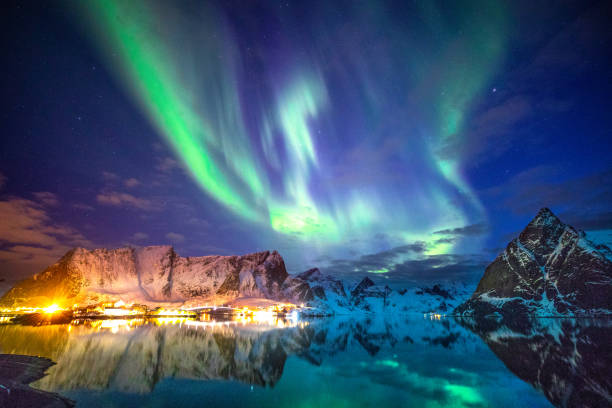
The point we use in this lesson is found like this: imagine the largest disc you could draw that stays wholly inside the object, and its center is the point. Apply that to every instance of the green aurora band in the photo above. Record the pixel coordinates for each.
(267, 159)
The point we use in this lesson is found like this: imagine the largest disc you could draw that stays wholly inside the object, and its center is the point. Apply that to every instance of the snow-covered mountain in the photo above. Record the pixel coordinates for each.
(150, 275)
(549, 269)
(329, 295)
(157, 275)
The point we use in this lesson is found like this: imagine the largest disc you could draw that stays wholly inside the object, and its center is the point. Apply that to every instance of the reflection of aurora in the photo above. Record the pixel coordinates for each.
(423, 362)
(272, 154)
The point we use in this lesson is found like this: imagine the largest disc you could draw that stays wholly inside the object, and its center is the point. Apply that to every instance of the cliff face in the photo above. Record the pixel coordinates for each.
(549, 269)
(150, 274)
(155, 275)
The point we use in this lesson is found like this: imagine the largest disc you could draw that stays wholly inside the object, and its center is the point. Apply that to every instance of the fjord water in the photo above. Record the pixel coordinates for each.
(369, 361)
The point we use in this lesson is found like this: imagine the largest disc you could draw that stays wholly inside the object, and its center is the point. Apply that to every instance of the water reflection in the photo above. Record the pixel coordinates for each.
(419, 361)
(133, 355)
(568, 359)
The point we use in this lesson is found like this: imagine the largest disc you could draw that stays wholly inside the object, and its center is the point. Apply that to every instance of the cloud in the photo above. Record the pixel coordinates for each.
(30, 239)
(376, 261)
(198, 222)
(585, 221)
(529, 94)
(583, 202)
(47, 198)
(445, 241)
(140, 236)
(574, 46)
(108, 176)
(167, 165)
(377, 163)
(494, 131)
(452, 267)
(82, 206)
(468, 230)
(399, 271)
(119, 199)
(175, 237)
(131, 182)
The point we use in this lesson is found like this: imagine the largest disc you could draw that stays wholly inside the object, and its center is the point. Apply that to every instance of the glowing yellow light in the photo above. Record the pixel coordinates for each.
(52, 309)
(112, 311)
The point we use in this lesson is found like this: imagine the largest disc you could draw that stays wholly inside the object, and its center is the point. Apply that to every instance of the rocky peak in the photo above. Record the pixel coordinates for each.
(362, 286)
(550, 268)
(313, 274)
(543, 234)
(544, 217)
(148, 275)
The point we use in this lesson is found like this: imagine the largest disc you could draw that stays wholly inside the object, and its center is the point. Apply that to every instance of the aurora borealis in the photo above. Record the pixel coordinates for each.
(265, 156)
(356, 136)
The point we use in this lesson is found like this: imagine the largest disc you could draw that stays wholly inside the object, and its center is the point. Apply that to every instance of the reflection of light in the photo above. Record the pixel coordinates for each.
(169, 320)
(260, 319)
(111, 311)
(114, 325)
(173, 312)
(52, 309)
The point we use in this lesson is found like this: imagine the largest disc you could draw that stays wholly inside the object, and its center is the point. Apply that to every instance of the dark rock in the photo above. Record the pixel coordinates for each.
(550, 268)
(312, 285)
(436, 290)
(361, 287)
(568, 360)
(16, 372)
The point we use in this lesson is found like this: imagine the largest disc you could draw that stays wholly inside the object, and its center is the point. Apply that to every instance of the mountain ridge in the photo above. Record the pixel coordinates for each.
(551, 268)
(158, 276)
(150, 274)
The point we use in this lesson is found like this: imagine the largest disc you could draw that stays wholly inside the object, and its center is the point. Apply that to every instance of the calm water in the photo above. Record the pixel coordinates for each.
(339, 362)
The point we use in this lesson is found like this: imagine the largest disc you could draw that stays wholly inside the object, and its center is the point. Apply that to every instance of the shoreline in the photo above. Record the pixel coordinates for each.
(17, 371)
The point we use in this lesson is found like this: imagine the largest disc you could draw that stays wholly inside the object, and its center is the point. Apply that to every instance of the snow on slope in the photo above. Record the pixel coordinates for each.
(150, 274)
(550, 269)
(157, 275)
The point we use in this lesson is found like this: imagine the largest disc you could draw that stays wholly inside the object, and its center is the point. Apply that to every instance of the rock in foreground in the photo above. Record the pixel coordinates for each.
(550, 269)
(16, 372)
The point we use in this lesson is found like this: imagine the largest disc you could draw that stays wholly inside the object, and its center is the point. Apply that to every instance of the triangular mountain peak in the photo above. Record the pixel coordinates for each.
(542, 234)
(545, 217)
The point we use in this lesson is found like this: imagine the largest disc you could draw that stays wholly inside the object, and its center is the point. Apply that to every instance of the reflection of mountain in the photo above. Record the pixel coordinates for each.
(568, 360)
(135, 361)
(134, 358)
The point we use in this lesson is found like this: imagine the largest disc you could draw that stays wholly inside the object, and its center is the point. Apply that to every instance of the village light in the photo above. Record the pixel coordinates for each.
(52, 309)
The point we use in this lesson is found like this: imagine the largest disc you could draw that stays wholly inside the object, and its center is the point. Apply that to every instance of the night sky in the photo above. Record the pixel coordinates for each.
(407, 140)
